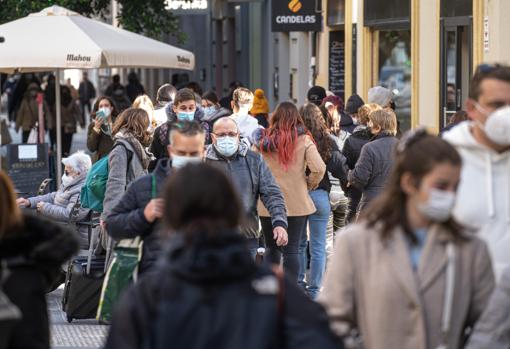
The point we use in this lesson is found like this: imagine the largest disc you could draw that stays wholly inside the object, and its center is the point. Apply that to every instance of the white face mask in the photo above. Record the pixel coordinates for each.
(66, 180)
(181, 161)
(497, 126)
(439, 206)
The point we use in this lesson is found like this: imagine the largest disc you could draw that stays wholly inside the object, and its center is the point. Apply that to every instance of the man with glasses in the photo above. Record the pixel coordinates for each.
(252, 178)
(483, 200)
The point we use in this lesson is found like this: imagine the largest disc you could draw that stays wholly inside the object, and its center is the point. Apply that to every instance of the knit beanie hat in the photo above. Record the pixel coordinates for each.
(353, 104)
(380, 95)
(260, 104)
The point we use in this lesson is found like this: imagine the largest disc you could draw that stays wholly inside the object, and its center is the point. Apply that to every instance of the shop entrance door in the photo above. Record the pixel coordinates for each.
(456, 65)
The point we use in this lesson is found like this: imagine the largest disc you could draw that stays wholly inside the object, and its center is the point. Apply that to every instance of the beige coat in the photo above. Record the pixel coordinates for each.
(371, 286)
(293, 182)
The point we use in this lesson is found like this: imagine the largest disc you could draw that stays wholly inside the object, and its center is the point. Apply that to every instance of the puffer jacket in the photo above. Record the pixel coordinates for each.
(254, 181)
(127, 221)
(373, 167)
(33, 254)
(210, 294)
(58, 205)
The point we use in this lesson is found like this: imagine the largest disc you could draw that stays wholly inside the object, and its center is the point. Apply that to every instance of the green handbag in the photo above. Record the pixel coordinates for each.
(122, 271)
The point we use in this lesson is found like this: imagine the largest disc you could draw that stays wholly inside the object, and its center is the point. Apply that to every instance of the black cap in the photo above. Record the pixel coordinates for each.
(353, 104)
(316, 94)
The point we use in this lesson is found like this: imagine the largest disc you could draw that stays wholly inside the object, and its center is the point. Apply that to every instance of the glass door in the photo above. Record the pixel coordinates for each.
(456, 66)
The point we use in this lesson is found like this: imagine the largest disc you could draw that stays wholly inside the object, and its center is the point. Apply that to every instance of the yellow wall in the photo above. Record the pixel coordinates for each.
(425, 64)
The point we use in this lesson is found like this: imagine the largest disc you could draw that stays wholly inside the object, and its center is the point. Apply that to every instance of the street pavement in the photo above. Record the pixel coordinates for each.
(86, 334)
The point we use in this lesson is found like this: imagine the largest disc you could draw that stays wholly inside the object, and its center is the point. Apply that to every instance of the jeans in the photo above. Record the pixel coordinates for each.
(318, 223)
(296, 228)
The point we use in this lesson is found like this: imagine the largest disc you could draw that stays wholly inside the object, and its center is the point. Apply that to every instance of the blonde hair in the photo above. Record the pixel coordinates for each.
(242, 96)
(365, 110)
(385, 119)
(10, 214)
(145, 103)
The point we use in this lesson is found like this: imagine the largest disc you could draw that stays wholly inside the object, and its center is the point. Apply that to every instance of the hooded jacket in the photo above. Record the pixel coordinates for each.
(160, 140)
(33, 254)
(247, 125)
(210, 294)
(483, 197)
(127, 221)
(253, 180)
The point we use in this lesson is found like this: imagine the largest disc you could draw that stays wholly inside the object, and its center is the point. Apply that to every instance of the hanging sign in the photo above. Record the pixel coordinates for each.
(295, 16)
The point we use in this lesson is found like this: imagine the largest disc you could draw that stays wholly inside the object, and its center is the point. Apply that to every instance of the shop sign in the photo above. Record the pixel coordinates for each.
(183, 7)
(295, 15)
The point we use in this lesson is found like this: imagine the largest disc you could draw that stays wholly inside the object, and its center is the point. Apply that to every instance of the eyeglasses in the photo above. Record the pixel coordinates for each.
(226, 134)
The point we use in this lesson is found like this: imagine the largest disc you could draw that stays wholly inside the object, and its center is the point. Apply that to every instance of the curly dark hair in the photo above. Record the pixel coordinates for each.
(314, 122)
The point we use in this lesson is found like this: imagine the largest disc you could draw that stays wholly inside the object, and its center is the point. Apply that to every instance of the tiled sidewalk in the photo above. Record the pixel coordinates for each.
(78, 334)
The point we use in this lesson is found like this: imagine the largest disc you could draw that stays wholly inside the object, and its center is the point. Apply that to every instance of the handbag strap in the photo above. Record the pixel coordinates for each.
(153, 186)
(449, 288)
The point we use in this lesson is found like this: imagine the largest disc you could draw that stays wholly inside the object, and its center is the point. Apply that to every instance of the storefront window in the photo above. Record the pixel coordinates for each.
(456, 8)
(395, 71)
(388, 11)
(336, 12)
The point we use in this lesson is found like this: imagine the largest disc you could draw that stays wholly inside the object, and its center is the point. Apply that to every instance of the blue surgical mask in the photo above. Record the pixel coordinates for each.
(181, 161)
(208, 111)
(227, 146)
(186, 116)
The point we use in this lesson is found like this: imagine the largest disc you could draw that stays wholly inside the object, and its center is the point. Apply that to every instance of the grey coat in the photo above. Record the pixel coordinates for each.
(253, 179)
(373, 167)
(124, 166)
(58, 205)
(493, 328)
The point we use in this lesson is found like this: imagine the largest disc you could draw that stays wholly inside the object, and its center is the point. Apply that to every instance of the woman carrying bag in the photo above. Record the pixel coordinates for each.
(407, 275)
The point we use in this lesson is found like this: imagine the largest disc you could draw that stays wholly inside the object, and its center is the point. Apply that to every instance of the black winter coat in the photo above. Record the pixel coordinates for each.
(127, 221)
(353, 145)
(34, 255)
(210, 294)
(351, 151)
(337, 166)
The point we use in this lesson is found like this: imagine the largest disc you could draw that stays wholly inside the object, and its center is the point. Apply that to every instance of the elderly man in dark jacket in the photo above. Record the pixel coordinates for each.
(251, 177)
(140, 208)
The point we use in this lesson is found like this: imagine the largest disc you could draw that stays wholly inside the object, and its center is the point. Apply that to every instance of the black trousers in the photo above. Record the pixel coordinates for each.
(24, 136)
(297, 227)
(84, 105)
(67, 141)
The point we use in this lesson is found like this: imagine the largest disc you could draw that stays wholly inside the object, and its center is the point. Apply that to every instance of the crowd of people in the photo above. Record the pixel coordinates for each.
(236, 206)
